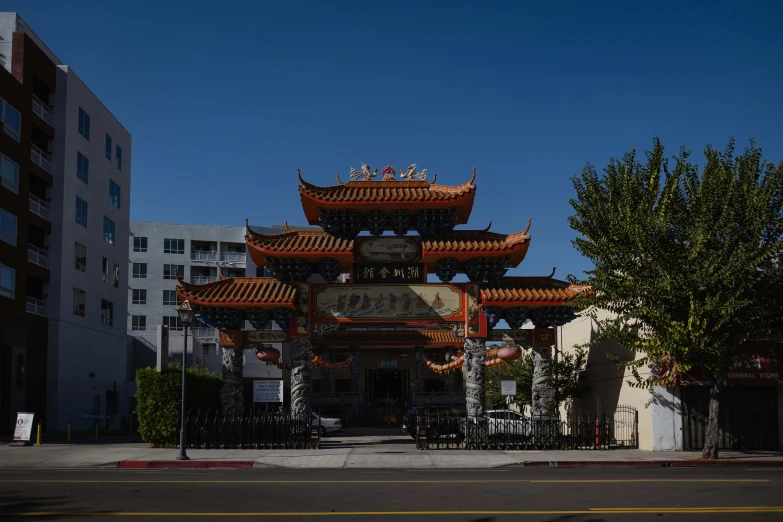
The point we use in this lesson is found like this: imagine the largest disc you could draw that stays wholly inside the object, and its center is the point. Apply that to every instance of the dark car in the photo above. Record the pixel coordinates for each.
(440, 421)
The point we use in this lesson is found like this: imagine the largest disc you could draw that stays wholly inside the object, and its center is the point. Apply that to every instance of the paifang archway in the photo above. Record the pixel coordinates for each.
(340, 295)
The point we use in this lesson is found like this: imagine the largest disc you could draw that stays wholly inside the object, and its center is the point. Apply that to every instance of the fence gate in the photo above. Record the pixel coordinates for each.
(748, 418)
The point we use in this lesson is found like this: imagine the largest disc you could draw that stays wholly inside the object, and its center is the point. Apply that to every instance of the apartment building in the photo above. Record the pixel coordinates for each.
(75, 181)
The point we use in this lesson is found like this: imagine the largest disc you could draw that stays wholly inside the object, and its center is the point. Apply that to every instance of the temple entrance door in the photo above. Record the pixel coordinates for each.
(387, 394)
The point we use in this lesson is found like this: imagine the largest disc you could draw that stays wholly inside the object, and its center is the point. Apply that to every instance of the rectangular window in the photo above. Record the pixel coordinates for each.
(170, 297)
(79, 257)
(107, 312)
(82, 167)
(115, 273)
(81, 212)
(114, 193)
(9, 174)
(108, 230)
(7, 281)
(172, 321)
(171, 271)
(139, 270)
(84, 123)
(105, 269)
(79, 300)
(108, 147)
(8, 223)
(139, 244)
(118, 157)
(173, 246)
(10, 119)
(139, 296)
(138, 322)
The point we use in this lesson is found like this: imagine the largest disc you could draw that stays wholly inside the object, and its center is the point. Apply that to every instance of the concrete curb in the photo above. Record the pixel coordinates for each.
(696, 463)
(185, 464)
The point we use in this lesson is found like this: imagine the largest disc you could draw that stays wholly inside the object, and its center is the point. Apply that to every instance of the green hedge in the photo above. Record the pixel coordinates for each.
(158, 400)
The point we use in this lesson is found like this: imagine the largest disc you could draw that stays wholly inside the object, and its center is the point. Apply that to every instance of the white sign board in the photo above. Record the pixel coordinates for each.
(24, 426)
(268, 391)
(508, 388)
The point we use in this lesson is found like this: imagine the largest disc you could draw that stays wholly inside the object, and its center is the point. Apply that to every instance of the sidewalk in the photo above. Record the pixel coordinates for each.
(391, 450)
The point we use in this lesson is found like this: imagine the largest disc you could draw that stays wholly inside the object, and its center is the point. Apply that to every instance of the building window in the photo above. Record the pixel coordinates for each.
(105, 268)
(138, 322)
(9, 174)
(79, 300)
(139, 296)
(139, 244)
(173, 246)
(11, 119)
(118, 157)
(172, 321)
(107, 312)
(79, 257)
(84, 123)
(82, 167)
(114, 193)
(139, 270)
(81, 212)
(115, 273)
(108, 147)
(172, 271)
(7, 281)
(108, 230)
(170, 297)
(8, 227)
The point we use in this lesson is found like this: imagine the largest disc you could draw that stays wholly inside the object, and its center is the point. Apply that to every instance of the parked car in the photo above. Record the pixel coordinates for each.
(328, 424)
(501, 424)
(440, 420)
(334, 412)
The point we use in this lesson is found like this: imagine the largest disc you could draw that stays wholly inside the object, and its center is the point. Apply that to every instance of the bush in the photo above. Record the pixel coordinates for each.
(158, 398)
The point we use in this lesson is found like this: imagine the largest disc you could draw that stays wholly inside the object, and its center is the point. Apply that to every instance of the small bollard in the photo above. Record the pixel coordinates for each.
(97, 427)
(69, 431)
(39, 434)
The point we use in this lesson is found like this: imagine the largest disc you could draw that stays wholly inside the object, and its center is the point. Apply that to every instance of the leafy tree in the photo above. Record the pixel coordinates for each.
(686, 259)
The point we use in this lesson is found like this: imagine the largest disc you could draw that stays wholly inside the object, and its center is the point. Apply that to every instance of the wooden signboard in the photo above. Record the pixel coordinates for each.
(388, 273)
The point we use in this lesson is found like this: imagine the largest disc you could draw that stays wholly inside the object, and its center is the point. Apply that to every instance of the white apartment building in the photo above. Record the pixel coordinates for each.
(86, 298)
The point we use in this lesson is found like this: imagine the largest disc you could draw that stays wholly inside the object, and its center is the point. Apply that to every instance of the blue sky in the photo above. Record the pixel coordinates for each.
(226, 100)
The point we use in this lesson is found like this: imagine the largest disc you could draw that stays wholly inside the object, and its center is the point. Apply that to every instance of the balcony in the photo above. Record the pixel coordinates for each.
(35, 306)
(41, 158)
(37, 256)
(42, 110)
(202, 255)
(204, 333)
(202, 280)
(39, 207)
(232, 257)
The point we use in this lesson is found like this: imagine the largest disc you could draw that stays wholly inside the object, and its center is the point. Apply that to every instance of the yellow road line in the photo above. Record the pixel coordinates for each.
(454, 481)
(590, 511)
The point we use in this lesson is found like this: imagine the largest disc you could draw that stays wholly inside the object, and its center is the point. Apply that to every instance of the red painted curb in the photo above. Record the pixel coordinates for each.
(189, 464)
(696, 463)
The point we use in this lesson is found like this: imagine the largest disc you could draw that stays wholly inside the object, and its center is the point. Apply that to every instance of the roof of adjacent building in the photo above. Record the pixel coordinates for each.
(239, 292)
(530, 290)
(390, 338)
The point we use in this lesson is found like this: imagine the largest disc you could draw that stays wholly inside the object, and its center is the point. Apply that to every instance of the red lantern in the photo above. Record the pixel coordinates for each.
(509, 353)
(268, 354)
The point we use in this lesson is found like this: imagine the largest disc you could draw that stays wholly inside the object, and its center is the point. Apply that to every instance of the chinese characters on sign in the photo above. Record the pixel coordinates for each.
(392, 273)
(387, 363)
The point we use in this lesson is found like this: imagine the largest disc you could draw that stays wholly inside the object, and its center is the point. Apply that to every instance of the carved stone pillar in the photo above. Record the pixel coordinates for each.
(325, 377)
(543, 392)
(419, 370)
(449, 381)
(301, 352)
(355, 370)
(475, 393)
(232, 393)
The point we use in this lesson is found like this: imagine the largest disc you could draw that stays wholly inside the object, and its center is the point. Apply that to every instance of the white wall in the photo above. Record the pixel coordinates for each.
(666, 419)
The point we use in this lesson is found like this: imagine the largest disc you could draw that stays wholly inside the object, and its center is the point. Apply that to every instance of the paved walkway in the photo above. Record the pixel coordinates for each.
(391, 449)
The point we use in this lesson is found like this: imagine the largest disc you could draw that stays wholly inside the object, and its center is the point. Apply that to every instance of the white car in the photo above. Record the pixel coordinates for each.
(328, 425)
(508, 422)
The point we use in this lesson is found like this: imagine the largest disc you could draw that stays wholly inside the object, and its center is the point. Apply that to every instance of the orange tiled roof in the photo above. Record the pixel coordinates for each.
(239, 292)
(531, 290)
(477, 241)
(315, 241)
(389, 338)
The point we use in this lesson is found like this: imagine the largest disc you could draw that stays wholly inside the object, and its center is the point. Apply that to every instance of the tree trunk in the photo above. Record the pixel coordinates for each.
(710, 450)
(232, 394)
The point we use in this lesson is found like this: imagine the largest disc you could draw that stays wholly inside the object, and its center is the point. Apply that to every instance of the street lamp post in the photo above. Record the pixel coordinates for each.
(186, 315)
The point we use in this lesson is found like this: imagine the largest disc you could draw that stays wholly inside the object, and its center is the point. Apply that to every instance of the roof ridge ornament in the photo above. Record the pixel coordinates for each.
(526, 228)
(552, 275)
(490, 226)
(286, 227)
(220, 273)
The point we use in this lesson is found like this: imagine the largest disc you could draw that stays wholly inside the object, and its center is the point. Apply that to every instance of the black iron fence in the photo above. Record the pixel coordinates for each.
(510, 430)
(255, 429)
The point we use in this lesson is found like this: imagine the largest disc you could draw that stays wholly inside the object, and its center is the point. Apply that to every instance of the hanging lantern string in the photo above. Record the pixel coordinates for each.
(317, 361)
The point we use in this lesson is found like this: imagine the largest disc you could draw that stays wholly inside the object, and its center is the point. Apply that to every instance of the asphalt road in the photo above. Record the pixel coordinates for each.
(593, 495)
